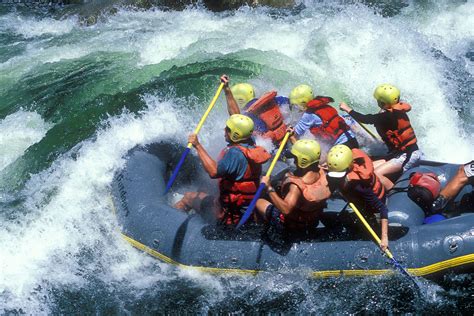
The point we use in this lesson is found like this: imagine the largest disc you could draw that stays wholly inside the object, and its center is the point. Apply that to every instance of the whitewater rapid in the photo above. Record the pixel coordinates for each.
(57, 232)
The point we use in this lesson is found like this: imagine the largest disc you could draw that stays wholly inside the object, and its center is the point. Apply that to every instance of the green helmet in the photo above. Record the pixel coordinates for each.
(387, 94)
(240, 126)
(339, 161)
(243, 93)
(307, 152)
(301, 95)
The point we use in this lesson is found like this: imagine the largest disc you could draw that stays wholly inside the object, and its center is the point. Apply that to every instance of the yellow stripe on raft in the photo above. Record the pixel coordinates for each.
(433, 268)
(166, 259)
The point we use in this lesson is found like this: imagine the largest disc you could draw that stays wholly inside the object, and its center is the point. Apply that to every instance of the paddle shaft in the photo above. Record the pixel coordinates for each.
(371, 231)
(189, 146)
(367, 130)
(251, 207)
(377, 239)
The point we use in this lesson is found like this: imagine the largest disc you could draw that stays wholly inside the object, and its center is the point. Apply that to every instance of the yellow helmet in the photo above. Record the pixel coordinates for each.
(339, 160)
(301, 95)
(243, 93)
(307, 152)
(387, 94)
(240, 126)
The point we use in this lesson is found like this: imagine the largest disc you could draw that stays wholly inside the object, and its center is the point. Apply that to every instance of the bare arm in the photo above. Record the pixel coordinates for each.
(209, 164)
(287, 205)
(384, 237)
(292, 137)
(232, 106)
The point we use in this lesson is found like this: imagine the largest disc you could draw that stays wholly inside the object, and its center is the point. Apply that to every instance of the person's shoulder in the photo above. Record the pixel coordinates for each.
(234, 150)
(308, 114)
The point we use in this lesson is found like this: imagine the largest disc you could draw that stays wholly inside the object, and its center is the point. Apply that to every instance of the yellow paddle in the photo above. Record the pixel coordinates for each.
(377, 239)
(189, 146)
(367, 130)
(251, 207)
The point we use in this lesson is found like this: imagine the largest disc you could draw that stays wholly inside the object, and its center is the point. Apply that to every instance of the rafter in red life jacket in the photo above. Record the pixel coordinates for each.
(333, 125)
(404, 135)
(266, 109)
(237, 193)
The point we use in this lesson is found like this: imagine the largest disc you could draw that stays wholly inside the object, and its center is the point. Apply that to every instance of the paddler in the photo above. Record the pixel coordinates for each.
(320, 118)
(298, 206)
(238, 169)
(394, 127)
(266, 111)
(352, 173)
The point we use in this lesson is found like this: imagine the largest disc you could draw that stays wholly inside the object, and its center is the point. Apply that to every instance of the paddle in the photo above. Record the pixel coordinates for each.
(189, 146)
(377, 239)
(249, 210)
(343, 106)
(367, 130)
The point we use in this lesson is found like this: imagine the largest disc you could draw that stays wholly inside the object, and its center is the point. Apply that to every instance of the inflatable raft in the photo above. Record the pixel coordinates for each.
(151, 225)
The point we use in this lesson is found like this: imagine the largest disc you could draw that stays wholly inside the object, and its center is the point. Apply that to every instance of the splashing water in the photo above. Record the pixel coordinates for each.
(75, 99)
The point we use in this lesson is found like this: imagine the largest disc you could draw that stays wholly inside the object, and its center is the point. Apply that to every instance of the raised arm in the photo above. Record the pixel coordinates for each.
(232, 106)
(209, 164)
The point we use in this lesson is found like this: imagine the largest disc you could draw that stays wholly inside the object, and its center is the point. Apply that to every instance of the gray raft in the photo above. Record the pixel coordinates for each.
(148, 223)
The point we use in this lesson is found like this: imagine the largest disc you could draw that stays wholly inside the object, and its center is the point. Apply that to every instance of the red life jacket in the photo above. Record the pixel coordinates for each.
(403, 136)
(266, 109)
(428, 180)
(333, 125)
(234, 194)
(363, 170)
(423, 189)
(310, 205)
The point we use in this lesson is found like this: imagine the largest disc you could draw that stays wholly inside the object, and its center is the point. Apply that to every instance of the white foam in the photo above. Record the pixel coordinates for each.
(18, 131)
(68, 212)
(30, 27)
(447, 25)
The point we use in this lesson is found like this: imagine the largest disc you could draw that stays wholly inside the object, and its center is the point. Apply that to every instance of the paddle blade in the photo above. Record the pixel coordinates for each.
(176, 170)
(405, 273)
(249, 210)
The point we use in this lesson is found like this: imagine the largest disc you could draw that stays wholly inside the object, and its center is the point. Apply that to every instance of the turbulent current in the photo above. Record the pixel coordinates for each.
(75, 98)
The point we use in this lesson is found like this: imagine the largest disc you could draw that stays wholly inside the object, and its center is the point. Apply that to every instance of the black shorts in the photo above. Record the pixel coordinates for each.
(275, 217)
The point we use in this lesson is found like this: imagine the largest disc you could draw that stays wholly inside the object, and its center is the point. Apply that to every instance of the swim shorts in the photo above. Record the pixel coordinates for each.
(408, 161)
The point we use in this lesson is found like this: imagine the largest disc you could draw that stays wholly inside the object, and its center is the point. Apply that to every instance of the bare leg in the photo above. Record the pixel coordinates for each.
(386, 169)
(261, 206)
(455, 185)
(191, 200)
(378, 163)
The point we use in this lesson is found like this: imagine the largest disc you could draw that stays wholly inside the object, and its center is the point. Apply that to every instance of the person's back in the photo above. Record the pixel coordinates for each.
(267, 109)
(395, 129)
(237, 189)
(264, 111)
(352, 173)
(362, 174)
(238, 169)
(299, 205)
(311, 203)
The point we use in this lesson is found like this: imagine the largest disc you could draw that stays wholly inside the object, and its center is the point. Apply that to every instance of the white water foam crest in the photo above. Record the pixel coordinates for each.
(30, 27)
(69, 213)
(448, 26)
(331, 50)
(374, 53)
(334, 56)
(18, 131)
